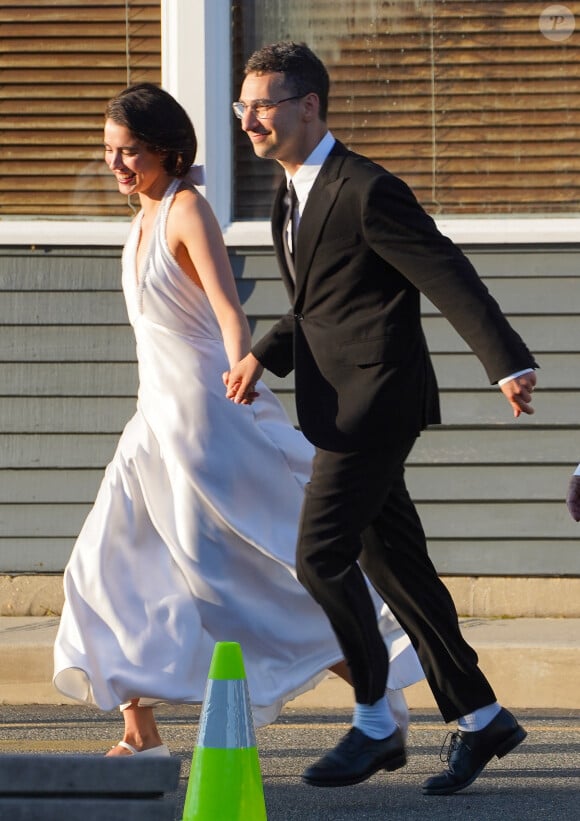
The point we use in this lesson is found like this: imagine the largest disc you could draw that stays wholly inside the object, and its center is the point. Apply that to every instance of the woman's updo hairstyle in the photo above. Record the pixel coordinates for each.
(159, 121)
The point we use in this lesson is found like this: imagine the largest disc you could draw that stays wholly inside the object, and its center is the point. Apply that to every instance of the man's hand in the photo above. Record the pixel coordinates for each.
(518, 392)
(573, 498)
(241, 380)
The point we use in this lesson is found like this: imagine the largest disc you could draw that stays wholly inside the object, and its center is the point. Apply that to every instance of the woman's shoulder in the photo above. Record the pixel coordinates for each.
(189, 213)
(187, 202)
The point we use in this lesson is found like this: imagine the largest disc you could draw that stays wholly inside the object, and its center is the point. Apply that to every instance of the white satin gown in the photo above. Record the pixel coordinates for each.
(192, 536)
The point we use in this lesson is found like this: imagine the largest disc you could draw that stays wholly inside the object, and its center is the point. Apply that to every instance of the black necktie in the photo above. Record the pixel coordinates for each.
(291, 204)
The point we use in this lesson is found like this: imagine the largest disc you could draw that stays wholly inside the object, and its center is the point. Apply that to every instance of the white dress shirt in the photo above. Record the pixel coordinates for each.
(305, 177)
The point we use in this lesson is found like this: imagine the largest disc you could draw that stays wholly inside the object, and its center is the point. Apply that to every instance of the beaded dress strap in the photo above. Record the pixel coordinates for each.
(158, 233)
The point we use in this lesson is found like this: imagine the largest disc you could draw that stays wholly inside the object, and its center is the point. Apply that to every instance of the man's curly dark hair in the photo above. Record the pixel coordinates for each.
(303, 71)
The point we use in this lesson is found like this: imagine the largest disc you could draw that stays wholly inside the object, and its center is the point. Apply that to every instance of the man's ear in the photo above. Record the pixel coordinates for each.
(311, 106)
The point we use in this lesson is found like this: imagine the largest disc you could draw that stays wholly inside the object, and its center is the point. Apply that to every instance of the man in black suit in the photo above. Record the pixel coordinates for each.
(355, 251)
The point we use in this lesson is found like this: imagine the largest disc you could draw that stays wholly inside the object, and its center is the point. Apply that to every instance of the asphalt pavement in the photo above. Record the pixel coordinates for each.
(539, 780)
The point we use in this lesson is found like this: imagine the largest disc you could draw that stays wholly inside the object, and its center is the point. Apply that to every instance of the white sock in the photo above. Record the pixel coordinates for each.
(374, 720)
(473, 722)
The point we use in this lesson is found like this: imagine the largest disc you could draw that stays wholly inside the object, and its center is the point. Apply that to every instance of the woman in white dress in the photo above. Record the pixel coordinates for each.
(191, 539)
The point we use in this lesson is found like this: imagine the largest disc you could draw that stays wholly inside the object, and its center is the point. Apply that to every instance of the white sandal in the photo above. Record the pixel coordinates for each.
(162, 751)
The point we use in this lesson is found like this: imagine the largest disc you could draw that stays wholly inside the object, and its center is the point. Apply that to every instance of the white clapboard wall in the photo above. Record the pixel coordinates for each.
(490, 490)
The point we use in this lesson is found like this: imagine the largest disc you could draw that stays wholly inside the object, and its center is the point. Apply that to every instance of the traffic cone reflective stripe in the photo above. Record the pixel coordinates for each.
(225, 783)
(226, 700)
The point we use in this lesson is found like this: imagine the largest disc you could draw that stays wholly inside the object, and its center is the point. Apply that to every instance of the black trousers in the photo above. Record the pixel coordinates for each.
(357, 513)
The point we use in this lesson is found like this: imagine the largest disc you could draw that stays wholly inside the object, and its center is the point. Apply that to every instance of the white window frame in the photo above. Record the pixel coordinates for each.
(196, 68)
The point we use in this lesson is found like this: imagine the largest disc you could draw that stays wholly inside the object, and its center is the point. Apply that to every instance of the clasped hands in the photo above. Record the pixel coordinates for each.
(240, 381)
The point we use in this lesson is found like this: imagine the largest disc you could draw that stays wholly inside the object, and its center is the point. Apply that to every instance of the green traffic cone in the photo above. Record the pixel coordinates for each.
(225, 783)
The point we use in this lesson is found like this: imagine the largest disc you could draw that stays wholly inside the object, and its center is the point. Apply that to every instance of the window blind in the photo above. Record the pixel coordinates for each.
(473, 104)
(60, 61)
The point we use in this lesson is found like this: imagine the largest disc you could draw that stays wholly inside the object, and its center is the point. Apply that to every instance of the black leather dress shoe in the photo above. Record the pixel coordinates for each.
(355, 758)
(470, 752)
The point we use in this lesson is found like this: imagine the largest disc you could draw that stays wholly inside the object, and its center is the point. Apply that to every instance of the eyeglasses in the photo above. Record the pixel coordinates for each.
(260, 108)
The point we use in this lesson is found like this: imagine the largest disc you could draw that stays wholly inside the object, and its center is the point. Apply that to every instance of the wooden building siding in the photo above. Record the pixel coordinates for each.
(490, 490)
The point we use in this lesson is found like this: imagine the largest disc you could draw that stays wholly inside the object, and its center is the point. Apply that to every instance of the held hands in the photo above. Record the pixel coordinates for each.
(573, 498)
(241, 380)
(518, 393)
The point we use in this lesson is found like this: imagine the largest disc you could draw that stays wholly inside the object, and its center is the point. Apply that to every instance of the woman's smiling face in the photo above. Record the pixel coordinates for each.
(137, 169)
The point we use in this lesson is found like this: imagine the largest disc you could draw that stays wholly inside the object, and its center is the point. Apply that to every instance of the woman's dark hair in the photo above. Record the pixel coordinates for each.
(303, 70)
(158, 120)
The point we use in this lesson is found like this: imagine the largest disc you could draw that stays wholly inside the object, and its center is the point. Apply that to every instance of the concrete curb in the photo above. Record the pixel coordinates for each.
(487, 597)
(531, 663)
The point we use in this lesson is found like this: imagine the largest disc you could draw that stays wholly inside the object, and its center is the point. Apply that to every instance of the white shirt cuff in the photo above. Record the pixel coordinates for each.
(514, 376)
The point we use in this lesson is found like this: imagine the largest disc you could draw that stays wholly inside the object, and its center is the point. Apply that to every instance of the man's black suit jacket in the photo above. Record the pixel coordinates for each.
(365, 250)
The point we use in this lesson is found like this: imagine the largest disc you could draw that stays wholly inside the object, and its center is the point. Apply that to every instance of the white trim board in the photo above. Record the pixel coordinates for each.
(465, 231)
